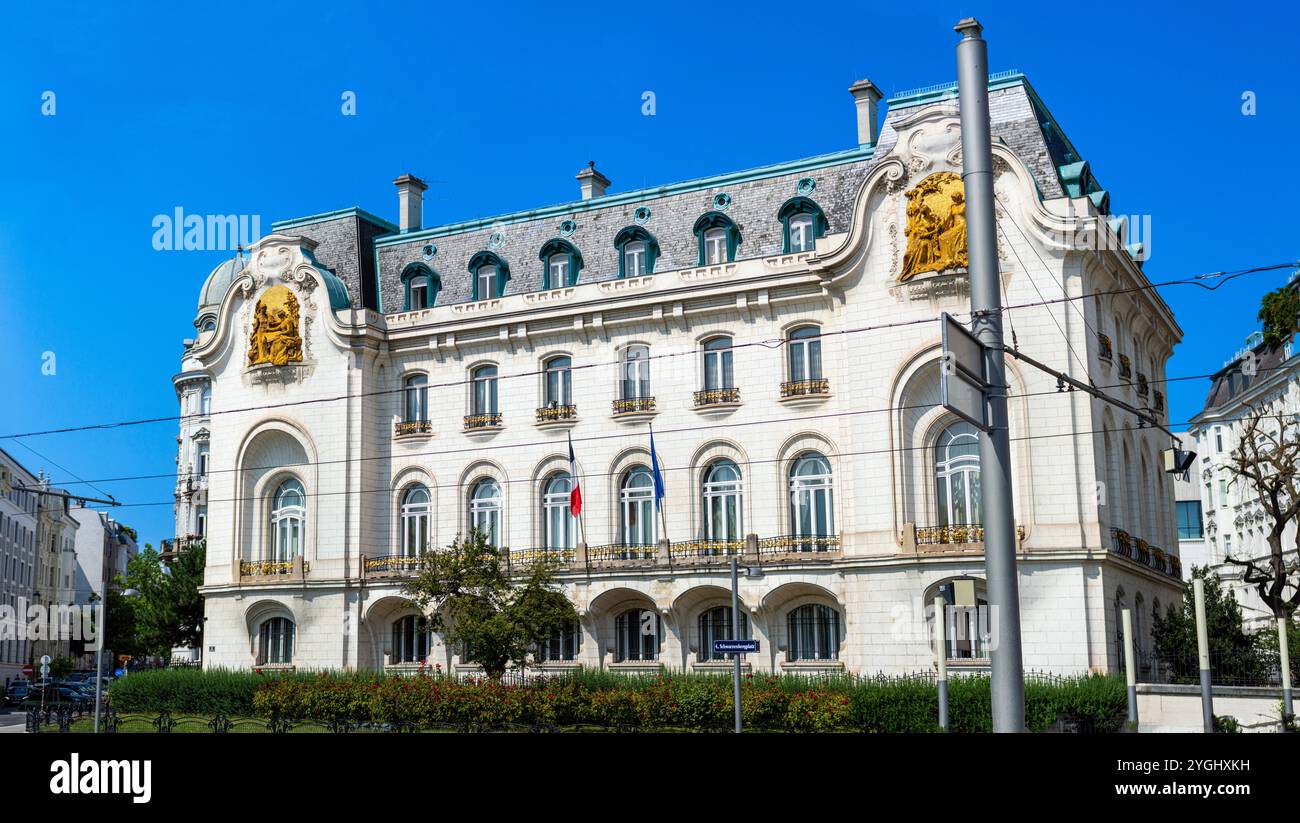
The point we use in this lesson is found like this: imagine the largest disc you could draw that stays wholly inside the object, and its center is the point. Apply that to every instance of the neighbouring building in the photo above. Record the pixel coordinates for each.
(18, 529)
(1258, 379)
(360, 390)
(1189, 513)
(56, 561)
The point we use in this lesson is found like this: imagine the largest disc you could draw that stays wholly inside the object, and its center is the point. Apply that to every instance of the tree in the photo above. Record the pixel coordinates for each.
(168, 611)
(468, 596)
(1278, 311)
(1232, 650)
(1266, 461)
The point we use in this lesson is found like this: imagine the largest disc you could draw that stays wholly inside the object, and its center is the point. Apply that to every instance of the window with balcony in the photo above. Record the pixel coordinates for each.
(812, 503)
(637, 506)
(637, 252)
(561, 264)
(635, 383)
(416, 395)
(559, 381)
(723, 518)
(715, 624)
(718, 370)
(805, 347)
(802, 222)
(637, 633)
(416, 511)
(957, 476)
(559, 526)
(410, 640)
(288, 516)
(485, 511)
(814, 633)
(718, 237)
(275, 641)
(483, 382)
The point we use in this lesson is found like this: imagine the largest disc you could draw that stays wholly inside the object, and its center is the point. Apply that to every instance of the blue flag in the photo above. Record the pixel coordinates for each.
(659, 477)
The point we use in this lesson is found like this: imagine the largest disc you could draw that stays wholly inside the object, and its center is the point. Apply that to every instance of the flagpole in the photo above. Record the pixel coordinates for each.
(654, 458)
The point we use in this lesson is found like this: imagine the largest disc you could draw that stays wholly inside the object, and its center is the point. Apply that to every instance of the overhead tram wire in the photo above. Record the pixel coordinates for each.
(1198, 280)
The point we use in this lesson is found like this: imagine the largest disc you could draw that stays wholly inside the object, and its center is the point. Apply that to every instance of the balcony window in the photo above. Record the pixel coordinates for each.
(636, 633)
(718, 370)
(559, 526)
(805, 346)
(715, 624)
(814, 633)
(812, 504)
(636, 373)
(410, 641)
(721, 502)
(559, 381)
(275, 641)
(636, 502)
(288, 514)
(201, 521)
(957, 476)
(484, 395)
(637, 252)
(485, 511)
(416, 510)
(416, 390)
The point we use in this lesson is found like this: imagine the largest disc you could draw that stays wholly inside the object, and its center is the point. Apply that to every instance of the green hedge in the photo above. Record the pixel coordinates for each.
(609, 699)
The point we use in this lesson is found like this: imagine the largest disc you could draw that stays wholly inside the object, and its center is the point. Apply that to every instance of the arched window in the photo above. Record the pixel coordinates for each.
(635, 384)
(966, 616)
(805, 345)
(812, 505)
(491, 274)
(715, 624)
(814, 633)
(421, 286)
(637, 252)
(718, 238)
(208, 323)
(802, 222)
(485, 511)
(561, 264)
(562, 646)
(483, 381)
(416, 508)
(957, 476)
(721, 502)
(416, 390)
(288, 515)
(410, 640)
(559, 381)
(718, 370)
(637, 633)
(559, 526)
(275, 641)
(637, 505)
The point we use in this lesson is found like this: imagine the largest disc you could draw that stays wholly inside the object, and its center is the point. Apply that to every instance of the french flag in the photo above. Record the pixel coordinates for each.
(575, 496)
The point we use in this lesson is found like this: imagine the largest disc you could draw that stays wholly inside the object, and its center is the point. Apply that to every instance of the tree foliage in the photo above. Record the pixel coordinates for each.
(1233, 650)
(468, 596)
(1278, 311)
(167, 612)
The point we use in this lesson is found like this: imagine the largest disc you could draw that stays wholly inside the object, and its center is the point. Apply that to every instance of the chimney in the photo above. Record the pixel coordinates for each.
(866, 96)
(410, 202)
(593, 182)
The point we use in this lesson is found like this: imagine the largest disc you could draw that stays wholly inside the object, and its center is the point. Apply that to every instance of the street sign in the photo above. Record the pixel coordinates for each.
(45, 660)
(734, 646)
(118, 672)
(28, 671)
(45, 670)
(962, 373)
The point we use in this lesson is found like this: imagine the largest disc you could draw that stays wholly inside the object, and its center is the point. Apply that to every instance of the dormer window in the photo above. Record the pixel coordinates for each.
(802, 222)
(422, 287)
(490, 275)
(561, 264)
(718, 238)
(637, 252)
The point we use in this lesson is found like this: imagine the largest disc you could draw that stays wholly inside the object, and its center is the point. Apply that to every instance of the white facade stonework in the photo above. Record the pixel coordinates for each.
(1082, 474)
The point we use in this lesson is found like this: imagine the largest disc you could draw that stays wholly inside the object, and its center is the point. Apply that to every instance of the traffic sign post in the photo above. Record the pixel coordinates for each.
(28, 671)
(962, 373)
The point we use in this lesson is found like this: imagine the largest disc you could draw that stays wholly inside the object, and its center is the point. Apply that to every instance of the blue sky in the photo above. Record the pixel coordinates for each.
(235, 108)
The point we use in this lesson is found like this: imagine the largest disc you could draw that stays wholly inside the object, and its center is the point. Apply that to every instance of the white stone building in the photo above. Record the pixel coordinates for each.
(430, 379)
(18, 527)
(1258, 379)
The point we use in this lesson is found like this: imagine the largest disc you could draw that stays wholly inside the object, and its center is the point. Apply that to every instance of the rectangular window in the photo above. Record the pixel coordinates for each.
(801, 233)
(1218, 440)
(487, 282)
(634, 259)
(1189, 520)
(1223, 492)
(715, 246)
(559, 270)
(202, 460)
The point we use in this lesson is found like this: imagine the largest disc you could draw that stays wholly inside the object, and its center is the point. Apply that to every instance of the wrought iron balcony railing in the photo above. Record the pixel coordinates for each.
(393, 564)
(1125, 366)
(555, 414)
(1158, 401)
(527, 557)
(951, 534)
(1143, 553)
(481, 422)
(703, 549)
(615, 552)
(634, 405)
(405, 427)
(806, 388)
(269, 568)
(798, 543)
(716, 397)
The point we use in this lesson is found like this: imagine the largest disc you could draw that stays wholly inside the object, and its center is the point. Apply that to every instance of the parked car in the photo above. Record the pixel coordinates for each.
(16, 693)
(54, 695)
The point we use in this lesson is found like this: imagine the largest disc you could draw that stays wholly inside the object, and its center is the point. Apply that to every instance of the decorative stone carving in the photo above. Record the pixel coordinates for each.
(275, 337)
(936, 226)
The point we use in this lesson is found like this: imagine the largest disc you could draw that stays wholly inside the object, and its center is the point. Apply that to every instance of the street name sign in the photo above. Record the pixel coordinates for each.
(734, 646)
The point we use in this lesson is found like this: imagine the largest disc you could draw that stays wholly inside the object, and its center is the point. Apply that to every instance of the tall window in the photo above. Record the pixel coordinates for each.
(484, 384)
(814, 633)
(205, 402)
(561, 263)
(718, 238)
(718, 371)
(957, 476)
(805, 347)
(637, 252)
(559, 526)
(410, 641)
(636, 633)
(966, 617)
(486, 282)
(1189, 520)
(416, 508)
(561, 646)
(802, 222)
(417, 398)
(201, 460)
(812, 506)
(715, 624)
(636, 372)
(559, 381)
(715, 246)
(721, 504)
(490, 275)
(288, 513)
(276, 640)
(201, 521)
(485, 511)
(637, 502)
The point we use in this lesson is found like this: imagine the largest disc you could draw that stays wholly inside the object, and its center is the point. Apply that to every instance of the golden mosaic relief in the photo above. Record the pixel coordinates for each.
(936, 226)
(274, 338)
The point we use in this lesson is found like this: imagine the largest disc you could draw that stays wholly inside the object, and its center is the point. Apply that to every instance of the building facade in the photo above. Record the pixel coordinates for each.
(373, 389)
(1259, 379)
(18, 529)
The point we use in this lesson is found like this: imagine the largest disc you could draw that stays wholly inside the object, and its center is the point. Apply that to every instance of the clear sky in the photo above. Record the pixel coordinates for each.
(234, 108)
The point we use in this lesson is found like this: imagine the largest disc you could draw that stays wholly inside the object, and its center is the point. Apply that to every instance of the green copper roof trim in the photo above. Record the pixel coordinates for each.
(354, 211)
(944, 91)
(853, 155)
(337, 289)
